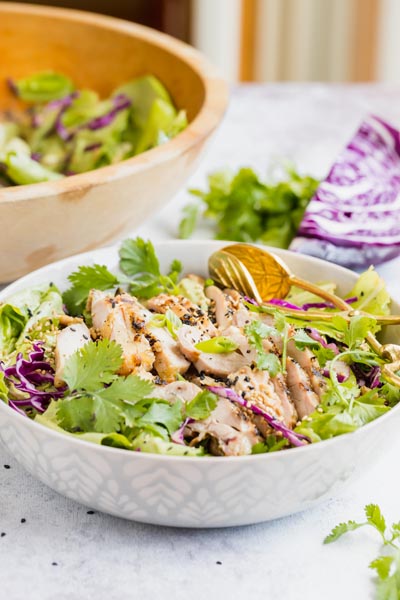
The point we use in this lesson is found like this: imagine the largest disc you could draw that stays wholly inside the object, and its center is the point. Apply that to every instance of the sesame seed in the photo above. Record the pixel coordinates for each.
(7, 467)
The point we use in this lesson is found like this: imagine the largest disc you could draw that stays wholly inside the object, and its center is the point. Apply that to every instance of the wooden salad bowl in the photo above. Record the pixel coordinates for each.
(44, 222)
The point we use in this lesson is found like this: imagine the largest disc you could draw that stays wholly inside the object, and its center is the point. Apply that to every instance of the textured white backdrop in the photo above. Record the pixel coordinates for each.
(101, 557)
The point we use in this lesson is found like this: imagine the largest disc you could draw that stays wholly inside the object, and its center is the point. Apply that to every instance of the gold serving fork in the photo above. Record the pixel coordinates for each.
(262, 275)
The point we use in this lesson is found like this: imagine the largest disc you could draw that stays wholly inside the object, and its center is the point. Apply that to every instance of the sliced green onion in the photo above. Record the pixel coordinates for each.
(217, 345)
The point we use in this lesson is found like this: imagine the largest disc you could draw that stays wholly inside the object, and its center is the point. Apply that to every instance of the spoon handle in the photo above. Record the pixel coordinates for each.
(314, 289)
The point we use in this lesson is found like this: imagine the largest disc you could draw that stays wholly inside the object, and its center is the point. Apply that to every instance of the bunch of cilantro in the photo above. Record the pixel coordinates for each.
(245, 209)
(387, 565)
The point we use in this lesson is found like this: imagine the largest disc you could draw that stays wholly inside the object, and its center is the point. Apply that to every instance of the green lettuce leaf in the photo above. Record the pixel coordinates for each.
(145, 442)
(43, 87)
(372, 294)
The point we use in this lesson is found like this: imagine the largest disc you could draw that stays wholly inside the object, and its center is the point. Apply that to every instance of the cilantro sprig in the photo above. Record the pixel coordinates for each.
(387, 564)
(140, 272)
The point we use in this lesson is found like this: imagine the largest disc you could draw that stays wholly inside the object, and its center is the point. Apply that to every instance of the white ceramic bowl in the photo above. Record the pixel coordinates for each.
(184, 491)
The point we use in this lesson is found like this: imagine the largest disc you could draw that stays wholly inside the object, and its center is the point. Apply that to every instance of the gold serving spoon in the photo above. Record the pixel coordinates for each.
(262, 275)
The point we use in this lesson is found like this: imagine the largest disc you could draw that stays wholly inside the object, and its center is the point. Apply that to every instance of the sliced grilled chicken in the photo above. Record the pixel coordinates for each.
(231, 431)
(169, 362)
(220, 365)
(290, 415)
(309, 362)
(228, 307)
(69, 340)
(257, 387)
(188, 337)
(187, 311)
(185, 390)
(304, 397)
(121, 319)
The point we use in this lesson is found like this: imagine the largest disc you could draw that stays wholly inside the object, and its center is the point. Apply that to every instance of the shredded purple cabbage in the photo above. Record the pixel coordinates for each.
(296, 439)
(342, 371)
(177, 436)
(284, 303)
(57, 105)
(327, 304)
(315, 335)
(250, 300)
(121, 102)
(29, 373)
(367, 375)
(307, 306)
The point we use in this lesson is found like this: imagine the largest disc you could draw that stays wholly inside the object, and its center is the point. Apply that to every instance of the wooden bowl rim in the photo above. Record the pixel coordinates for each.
(207, 119)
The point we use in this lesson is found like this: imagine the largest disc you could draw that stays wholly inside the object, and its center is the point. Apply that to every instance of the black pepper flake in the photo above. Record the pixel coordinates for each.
(72, 329)
(23, 520)
(54, 564)
(218, 562)
(90, 512)
(7, 467)
(85, 337)
(2, 534)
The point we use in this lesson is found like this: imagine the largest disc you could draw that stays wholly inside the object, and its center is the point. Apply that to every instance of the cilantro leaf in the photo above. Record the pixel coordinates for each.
(138, 256)
(341, 529)
(357, 330)
(201, 406)
(382, 566)
(93, 365)
(83, 280)
(190, 215)
(129, 389)
(256, 331)
(387, 589)
(163, 413)
(88, 413)
(375, 518)
(303, 340)
(138, 260)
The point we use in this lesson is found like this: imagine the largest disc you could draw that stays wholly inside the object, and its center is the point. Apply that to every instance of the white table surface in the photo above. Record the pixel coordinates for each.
(101, 557)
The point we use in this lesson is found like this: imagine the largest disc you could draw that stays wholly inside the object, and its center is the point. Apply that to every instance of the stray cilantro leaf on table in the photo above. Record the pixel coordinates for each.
(387, 565)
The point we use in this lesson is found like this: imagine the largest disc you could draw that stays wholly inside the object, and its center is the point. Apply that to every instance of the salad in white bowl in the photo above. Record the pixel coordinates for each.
(174, 479)
(153, 361)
